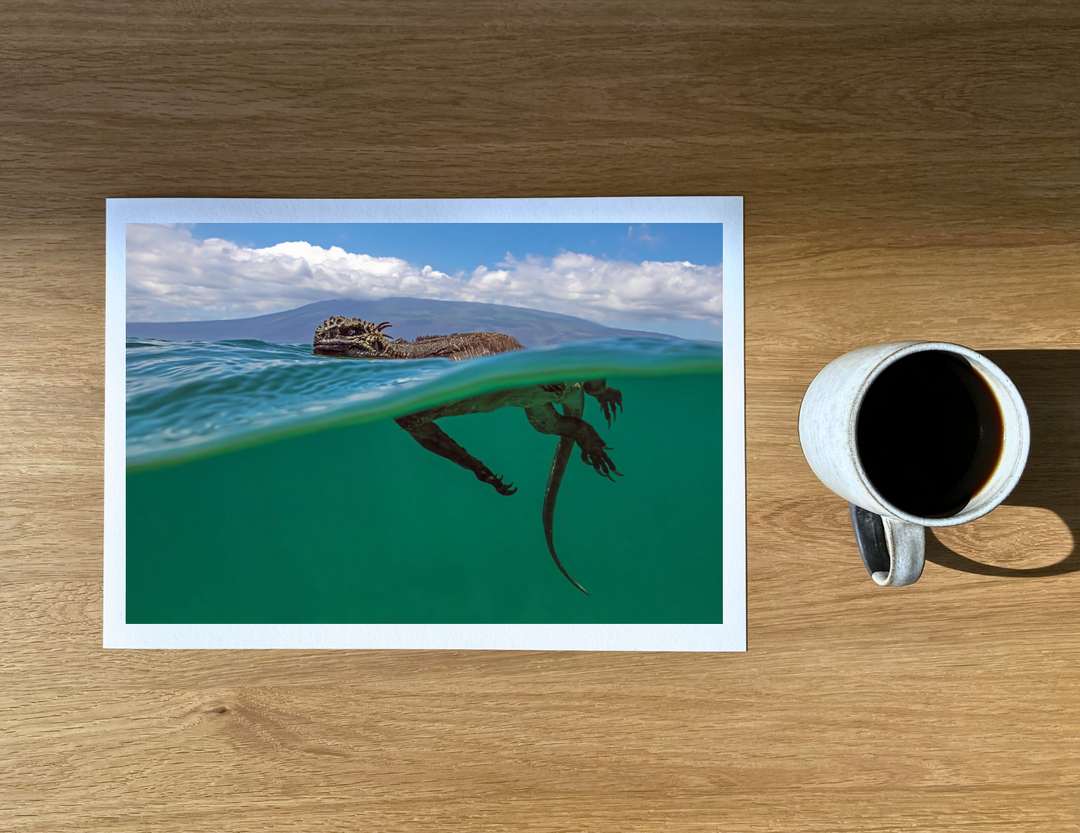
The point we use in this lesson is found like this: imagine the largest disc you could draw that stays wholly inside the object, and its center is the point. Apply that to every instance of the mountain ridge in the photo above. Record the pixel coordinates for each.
(410, 317)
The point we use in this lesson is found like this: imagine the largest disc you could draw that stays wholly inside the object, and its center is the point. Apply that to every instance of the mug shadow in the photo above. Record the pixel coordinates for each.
(1049, 382)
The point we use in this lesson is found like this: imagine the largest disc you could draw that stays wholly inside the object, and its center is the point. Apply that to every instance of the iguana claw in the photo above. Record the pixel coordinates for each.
(500, 487)
(608, 400)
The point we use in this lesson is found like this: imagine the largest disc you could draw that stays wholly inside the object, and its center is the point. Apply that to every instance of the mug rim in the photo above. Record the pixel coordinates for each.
(980, 363)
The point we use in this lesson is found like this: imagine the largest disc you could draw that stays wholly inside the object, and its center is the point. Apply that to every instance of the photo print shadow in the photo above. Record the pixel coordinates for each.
(1049, 382)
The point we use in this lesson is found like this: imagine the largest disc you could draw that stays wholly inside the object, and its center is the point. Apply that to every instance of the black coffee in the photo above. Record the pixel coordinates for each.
(929, 433)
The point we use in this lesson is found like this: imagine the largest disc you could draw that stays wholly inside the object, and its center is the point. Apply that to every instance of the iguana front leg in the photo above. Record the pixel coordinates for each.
(433, 438)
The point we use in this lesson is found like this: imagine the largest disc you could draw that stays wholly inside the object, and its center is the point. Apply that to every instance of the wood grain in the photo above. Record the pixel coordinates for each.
(909, 170)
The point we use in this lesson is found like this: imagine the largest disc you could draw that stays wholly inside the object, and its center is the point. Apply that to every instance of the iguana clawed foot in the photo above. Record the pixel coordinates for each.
(608, 400)
(497, 481)
(594, 452)
(607, 397)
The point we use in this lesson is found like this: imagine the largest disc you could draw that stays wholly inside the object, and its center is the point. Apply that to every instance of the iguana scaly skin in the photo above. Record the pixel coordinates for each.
(339, 336)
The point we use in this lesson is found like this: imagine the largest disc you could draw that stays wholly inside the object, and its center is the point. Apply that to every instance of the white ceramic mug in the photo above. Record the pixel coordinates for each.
(886, 426)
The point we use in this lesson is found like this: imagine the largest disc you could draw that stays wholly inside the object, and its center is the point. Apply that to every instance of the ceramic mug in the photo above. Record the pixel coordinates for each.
(913, 434)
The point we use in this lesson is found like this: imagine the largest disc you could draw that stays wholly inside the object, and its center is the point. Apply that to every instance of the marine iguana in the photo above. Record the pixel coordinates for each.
(340, 336)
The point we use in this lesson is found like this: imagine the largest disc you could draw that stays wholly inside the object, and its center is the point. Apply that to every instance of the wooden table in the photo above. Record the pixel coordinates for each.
(909, 170)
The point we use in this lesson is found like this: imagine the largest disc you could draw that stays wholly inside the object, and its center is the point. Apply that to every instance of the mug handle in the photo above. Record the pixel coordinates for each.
(892, 550)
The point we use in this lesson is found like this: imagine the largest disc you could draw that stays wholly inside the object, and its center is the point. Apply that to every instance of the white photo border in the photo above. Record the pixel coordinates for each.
(729, 636)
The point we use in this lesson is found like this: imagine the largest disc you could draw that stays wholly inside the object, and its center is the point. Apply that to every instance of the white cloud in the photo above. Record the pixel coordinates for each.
(173, 277)
(601, 289)
(643, 235)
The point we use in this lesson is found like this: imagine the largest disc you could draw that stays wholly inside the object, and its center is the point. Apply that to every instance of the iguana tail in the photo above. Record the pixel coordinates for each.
(574, 408)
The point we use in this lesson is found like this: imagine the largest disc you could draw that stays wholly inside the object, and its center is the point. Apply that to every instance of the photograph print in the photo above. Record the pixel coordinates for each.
(426, 434)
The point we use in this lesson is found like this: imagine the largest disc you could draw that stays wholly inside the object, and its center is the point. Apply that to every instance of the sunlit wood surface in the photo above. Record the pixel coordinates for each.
(909, 170)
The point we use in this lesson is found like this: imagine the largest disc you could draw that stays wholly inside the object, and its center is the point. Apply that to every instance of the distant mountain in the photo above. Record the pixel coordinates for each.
(411, 317)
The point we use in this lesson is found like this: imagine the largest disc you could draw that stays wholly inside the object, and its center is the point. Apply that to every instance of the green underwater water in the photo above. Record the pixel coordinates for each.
(359, 524)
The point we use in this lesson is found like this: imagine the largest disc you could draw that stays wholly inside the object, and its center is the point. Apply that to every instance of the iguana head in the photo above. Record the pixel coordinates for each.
(339, 336)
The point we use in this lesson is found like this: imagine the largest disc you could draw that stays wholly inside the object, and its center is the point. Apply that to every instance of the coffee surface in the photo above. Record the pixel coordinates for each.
(929, 433)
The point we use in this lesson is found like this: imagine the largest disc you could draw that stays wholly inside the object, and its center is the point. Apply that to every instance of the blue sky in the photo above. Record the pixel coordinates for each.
(461, 247)
(663, 278)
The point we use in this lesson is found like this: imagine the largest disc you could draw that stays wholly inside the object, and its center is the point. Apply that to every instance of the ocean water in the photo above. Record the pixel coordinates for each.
(268, 485)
